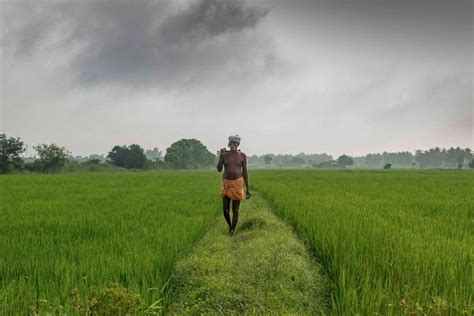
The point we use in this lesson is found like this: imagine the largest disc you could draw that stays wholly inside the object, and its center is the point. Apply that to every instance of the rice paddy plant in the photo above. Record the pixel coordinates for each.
(63, 236)
(393, 242)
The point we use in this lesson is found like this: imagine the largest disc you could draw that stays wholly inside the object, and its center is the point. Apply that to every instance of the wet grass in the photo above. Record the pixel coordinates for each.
(262, 268)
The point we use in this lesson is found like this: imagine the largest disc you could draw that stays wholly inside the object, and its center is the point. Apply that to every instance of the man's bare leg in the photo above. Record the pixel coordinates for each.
(226, 207)
(235, 214)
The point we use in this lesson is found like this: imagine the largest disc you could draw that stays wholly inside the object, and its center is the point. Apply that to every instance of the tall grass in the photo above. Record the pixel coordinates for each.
(67, 231)
(393, 242)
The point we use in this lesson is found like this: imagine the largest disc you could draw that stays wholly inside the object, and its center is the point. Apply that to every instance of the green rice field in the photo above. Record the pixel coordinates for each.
(390, 242)
(393, 242)
(67, 231)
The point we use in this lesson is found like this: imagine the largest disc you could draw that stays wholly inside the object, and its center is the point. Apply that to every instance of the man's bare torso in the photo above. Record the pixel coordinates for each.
(233, 163)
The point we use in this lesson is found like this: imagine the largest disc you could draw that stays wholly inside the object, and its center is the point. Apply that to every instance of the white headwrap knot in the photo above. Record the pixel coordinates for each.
(235, 138)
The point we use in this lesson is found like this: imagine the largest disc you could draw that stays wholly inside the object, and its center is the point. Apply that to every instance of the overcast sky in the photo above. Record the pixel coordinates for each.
(288, 76)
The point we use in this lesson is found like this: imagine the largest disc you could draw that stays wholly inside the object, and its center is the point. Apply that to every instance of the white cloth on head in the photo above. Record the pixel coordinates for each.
(235, 138)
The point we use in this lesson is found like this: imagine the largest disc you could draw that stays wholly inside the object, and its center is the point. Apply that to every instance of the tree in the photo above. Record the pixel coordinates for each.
(374, 160)
(344, 161)
(189, 154)
(267, 159)
(431, 158)
(130, 157)
(398, 158)
(51, 157)
(155, 164)
(437, 157)
(387, 166)
(119, 156)
(100, 158)
(137, 158)
(153, 154)
(471, 164)
(296, 162)
(10, 150)
(457, 156)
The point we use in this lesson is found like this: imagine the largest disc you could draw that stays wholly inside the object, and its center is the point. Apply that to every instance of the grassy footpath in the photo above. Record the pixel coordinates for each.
(262, 268)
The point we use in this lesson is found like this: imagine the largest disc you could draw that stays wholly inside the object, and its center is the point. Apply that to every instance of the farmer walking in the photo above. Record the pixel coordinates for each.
(235, 174)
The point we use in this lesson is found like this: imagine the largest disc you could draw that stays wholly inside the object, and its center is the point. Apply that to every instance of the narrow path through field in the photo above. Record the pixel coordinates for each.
(262, 268)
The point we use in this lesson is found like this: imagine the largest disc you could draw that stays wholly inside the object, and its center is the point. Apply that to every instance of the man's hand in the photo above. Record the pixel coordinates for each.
(223, 150)
(247, 194)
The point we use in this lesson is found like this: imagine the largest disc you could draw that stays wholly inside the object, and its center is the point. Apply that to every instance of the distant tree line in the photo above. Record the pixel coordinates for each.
(437, 157)
(183, 154)
(300, 160)
(192, 154)
(432, 158)
(400, 159)
(341, 162)
(286, 160)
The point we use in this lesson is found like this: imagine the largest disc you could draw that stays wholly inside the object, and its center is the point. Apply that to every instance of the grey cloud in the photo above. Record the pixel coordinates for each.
(209, 18)
(448, 94)
(143, 42)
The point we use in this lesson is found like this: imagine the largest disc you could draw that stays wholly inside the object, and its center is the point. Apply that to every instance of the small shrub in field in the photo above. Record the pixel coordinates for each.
(387, 166)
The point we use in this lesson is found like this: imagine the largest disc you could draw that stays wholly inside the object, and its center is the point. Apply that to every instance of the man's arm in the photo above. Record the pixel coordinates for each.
(220, 164)
(245, 174)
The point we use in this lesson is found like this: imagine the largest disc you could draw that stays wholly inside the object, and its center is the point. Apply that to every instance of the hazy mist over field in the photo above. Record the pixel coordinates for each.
(288, 76)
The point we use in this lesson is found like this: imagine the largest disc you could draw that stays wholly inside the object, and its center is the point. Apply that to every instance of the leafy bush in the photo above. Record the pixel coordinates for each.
(34, 166)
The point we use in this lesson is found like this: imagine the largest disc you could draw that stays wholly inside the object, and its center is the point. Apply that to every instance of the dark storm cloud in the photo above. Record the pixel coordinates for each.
(141, 42)
(209, 18)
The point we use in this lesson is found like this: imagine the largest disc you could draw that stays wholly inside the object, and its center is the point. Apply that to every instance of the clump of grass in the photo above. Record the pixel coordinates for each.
(252, 223)
(112, 299)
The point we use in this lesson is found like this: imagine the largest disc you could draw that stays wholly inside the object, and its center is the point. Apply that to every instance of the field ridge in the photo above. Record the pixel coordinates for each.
(262, 268)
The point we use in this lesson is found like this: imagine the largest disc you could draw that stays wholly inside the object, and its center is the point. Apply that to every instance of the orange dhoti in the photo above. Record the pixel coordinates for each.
(233, 189)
